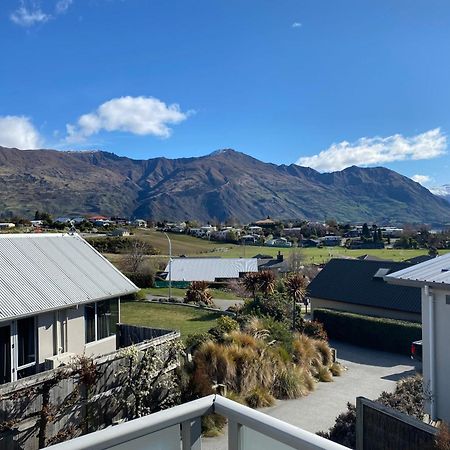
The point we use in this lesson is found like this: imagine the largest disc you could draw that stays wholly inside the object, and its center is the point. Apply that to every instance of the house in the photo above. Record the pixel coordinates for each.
(293, 232)
(307, 243)
(140, 223)
(354, 244)
(357, 286)
(254, 229)
(278, 265)
(6, 225)
(210, 269)
(37, 223)
(331, 241)
(279, 242)
(58, 297)
(119, 232)
(432, 279)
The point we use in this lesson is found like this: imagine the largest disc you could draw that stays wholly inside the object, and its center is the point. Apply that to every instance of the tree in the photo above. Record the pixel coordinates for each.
(136, 255)
(251, 283)
(296, 289)
(295, 260)
(365, 231)
(266, 282)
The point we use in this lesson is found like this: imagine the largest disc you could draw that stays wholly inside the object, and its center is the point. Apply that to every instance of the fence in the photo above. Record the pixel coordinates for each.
(379, 427)
(62, 403)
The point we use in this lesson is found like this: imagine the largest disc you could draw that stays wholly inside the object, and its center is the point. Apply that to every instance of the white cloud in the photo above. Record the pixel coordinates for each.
(296, 25)
(62, 6)
(27, 16)
(18, 132)
(369, 151)
(29, 13)
(136, 115)
(422, 179)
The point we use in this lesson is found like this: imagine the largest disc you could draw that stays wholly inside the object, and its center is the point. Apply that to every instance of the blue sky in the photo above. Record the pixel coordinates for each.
(323, 83)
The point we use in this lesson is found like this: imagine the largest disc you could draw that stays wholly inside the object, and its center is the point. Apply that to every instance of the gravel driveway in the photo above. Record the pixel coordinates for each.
(369, 373)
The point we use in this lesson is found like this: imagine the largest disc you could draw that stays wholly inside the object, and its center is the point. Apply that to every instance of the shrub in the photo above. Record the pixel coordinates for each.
(325, 352)
(313, 328)
(344, 430)
(375, 332)
(193, 341)
(292, 383)
(142, 280)
(324, 374)
(336, 369)
(259, 398)
(443, 438)
(276, 306)
(224, 325)
(407, 398)
(199, 293)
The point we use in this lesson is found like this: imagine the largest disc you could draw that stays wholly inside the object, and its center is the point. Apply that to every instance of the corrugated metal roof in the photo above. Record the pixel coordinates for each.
(208, 269)
(435, 272)
(40, 272)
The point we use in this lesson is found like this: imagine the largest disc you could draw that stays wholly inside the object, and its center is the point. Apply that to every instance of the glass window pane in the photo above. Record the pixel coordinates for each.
(114, 318)
(104, 319)
(22, 373)
(89, 322)
(5, 355)
(26, 341)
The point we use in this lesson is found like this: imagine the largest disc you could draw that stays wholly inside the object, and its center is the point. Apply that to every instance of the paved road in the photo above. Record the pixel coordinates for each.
(369, 373)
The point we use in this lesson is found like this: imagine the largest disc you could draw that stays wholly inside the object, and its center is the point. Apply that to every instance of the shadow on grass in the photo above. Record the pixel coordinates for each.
(205, 317)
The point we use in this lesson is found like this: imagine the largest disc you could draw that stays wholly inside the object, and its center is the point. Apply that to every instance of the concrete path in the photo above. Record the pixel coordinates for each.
(369, 373)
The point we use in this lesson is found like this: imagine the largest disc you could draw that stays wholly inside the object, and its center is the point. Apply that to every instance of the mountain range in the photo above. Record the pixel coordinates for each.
(223, 185)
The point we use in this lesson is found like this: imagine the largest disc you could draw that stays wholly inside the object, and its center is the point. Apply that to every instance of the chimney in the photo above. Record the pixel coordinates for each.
(279, 257)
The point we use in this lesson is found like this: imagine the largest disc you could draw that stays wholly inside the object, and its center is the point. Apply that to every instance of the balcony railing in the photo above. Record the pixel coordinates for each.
(180, 428)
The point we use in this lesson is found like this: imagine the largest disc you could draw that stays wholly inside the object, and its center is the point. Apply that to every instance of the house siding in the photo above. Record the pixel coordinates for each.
(45, 332)
(317, 303)
(442, 359)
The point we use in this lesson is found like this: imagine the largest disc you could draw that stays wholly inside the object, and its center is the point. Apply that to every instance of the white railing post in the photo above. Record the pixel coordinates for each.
(191, 434)
(234, 438)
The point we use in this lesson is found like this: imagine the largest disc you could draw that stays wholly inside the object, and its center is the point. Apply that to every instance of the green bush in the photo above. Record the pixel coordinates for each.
(375, 332)
(142, 280)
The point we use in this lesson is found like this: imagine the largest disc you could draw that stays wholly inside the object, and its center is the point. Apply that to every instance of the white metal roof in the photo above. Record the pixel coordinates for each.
(434, 272)
(208, 269)
(41, 272)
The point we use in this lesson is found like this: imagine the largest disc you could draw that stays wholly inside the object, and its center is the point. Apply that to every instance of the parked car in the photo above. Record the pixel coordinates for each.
(416, 350)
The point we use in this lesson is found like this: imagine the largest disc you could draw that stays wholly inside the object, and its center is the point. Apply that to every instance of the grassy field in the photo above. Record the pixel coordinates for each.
(191, 246)
(187, 320)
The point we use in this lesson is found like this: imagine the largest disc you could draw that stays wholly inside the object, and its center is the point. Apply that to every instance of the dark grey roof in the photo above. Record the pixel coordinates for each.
(353, 281)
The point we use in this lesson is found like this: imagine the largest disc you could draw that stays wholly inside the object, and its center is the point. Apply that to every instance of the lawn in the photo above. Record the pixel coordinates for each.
(187, 320)
(177, 292)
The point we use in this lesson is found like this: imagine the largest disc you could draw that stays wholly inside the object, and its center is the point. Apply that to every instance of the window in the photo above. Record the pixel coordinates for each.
(26, 347)
(5, 354)
(101, 319)
(89, 322)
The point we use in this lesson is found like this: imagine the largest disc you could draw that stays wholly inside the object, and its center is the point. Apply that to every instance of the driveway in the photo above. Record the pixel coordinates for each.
(369, 373)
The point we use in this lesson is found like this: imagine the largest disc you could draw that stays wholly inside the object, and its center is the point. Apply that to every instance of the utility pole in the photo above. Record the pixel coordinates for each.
(170, 265)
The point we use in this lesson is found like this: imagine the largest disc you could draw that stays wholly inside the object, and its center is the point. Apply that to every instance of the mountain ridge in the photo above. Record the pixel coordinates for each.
(222, 185)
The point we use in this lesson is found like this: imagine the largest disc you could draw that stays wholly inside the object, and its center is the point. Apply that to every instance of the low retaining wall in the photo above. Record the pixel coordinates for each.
(59, 404)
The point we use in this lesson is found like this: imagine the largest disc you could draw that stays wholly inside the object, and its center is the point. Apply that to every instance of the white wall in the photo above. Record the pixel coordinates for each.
(442, 352)
(45, 331)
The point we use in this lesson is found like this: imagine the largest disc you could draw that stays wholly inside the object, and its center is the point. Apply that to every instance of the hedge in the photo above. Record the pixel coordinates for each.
(389, 335)
(141, 280)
